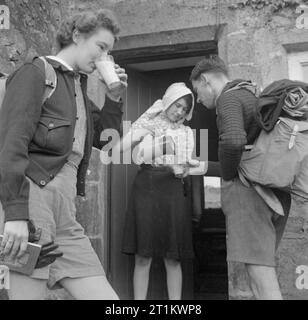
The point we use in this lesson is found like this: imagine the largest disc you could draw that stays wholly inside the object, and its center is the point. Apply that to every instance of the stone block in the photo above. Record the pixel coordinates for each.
(241, 48)
(292, 254)
(279, 21)
(248, 71)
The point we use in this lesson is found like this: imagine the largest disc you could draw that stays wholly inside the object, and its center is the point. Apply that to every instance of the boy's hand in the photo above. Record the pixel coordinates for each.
(183, 174)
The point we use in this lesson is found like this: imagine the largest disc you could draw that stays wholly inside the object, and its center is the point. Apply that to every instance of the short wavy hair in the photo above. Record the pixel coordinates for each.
(87, 22)
(213, 64)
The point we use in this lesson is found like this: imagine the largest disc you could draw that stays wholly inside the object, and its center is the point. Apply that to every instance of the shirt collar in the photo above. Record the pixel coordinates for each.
(65, 64)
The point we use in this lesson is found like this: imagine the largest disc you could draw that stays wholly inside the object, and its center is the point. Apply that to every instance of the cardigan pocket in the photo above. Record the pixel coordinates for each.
(53, 134)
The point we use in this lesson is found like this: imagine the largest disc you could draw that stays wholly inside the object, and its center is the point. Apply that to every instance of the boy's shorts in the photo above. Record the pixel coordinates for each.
(253, 229)
(53, 209)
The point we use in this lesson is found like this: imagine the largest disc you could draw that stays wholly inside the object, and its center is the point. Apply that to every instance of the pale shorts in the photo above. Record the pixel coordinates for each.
(253, 230)
(53, 209)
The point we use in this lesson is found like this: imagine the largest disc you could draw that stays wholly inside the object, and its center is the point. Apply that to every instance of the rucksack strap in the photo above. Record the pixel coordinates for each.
(3, 79)
(248, 85)
(50, 76)
(50, 79)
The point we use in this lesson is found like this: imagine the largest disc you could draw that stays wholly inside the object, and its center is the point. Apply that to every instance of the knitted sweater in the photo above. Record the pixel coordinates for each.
(236, 127)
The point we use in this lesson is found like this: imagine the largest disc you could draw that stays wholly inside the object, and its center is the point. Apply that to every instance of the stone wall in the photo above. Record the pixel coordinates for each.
(32, 29)
(254, 39)
(253, 43)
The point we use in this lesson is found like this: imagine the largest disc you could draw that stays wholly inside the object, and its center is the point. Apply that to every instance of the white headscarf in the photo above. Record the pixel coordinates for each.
(173, 93)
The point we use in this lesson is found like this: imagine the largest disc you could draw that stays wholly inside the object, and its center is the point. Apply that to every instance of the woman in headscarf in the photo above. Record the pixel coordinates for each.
(158, 223)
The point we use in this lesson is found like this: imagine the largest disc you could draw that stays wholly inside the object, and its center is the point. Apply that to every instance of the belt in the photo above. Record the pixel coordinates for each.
(144, 166)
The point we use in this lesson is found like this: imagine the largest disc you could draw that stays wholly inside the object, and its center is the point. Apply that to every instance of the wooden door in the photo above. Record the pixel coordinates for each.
(136, 101)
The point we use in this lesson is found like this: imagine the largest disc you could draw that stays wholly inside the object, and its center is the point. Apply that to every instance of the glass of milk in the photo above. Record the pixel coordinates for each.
(105, 67)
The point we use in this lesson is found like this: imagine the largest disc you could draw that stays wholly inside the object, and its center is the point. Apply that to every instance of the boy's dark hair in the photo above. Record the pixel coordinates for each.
(212, 64)
(87, 22)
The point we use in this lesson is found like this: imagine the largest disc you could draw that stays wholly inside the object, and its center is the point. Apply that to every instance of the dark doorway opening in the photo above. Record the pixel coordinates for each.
(209, 232)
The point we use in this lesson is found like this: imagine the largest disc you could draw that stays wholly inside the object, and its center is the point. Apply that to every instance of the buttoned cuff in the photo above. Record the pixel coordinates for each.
(112, 106)
(16, 211)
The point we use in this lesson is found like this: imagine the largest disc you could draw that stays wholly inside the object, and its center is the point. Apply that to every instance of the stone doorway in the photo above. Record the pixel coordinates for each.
(151, 69)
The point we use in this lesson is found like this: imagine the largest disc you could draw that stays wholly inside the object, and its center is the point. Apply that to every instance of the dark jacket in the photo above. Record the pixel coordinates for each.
(36, 140)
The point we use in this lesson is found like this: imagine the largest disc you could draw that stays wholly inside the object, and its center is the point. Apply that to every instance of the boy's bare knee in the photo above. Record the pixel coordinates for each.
(264, 282)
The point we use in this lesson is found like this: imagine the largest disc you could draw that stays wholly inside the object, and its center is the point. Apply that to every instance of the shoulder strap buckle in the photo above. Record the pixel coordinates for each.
(50, 79)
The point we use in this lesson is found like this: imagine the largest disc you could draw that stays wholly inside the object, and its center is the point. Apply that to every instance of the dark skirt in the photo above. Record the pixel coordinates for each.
(158, 219)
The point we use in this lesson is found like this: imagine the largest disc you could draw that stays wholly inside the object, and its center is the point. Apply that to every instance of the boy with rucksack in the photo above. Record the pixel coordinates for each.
(254, 229)
(279, 156)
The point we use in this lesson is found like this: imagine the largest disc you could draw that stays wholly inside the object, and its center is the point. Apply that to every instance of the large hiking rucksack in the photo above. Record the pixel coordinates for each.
(279, 157)
(50, 80)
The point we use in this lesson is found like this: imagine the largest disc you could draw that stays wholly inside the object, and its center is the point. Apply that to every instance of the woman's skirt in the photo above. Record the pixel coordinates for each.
(158, 218)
